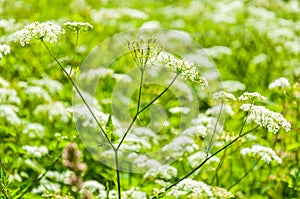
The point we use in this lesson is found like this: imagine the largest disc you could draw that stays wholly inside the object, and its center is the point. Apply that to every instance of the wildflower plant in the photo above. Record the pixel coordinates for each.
(194, 147)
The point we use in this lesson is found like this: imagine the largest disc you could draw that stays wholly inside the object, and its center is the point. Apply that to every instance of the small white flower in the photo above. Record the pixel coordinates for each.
(280, 83)
(266, 154)
(4, 50)
(254, 96)
(47, 31)
(264, 117)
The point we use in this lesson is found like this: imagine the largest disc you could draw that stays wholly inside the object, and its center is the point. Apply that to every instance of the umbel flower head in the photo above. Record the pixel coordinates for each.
(186, 69)
(264, 153)
(78, 26)
(47, 31)
(143, 50)
(280, 83)
(4, 50)
(264, 117)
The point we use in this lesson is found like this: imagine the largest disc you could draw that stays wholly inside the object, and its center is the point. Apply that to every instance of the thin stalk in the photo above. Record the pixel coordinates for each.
(215, 129)
(75, 48)
(79, 93)
(118, 174)
(143, 109)
(244, 176)
(140, 91)
(219, 167)
(209, 157)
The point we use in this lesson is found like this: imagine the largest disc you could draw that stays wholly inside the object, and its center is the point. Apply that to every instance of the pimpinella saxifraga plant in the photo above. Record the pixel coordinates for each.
(146, 52)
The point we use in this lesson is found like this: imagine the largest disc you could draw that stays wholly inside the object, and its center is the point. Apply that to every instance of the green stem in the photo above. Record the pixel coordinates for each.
(79, 93)
(140, 91)
(244, 176)
(215, 129)
(143, 109)
(75, 48)
(118, 174)
(209, 157)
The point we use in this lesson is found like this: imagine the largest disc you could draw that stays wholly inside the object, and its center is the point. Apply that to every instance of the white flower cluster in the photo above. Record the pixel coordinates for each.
(224, 96)
(191, 189)
(9, 96)
(55, 110)
(281, 82)
(154, 168)
(4, 50)
(51, 85)
(9, 114)
(78, 26)
(37, 92)
(134, 193)
(266, 154)
(97, 189)
(34, 130)
(218, 109)
(186, 69)
(164, 172)
(83, 115)
(180, 145)
(196, 131)
(35, 151)
(3, 82)
(264, 117)
(254, 96)
(47, 31)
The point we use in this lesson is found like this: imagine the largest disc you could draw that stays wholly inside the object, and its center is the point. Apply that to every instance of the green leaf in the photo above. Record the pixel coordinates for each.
(3, 175)
(109, 128)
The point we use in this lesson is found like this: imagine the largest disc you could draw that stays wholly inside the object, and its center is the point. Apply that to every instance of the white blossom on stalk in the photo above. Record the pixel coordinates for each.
(186, 69)
(47, 31)
(4, 50)
(266, 154)
(264, 117)
(254, 96)
(224, 96)
(78, 26)
(281, 82)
